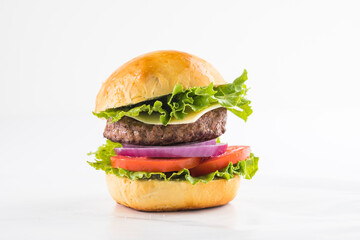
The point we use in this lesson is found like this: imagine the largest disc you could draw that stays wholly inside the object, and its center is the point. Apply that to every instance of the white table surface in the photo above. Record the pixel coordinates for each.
(264, 209)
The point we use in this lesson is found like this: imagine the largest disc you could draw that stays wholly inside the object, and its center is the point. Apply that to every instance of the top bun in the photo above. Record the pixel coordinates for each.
(154, 75)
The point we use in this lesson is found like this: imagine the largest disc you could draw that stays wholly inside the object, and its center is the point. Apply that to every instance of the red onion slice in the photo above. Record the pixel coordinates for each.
(209, 142)
(174, 151)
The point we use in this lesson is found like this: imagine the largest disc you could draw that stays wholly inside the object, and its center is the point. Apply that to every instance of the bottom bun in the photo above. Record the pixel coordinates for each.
(157, 195)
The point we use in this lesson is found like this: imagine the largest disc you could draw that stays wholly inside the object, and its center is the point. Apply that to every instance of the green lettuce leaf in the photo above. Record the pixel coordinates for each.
(180, 102)
(246, 168)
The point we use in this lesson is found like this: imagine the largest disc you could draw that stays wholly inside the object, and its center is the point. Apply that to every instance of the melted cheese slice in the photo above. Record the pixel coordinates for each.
(191, 117)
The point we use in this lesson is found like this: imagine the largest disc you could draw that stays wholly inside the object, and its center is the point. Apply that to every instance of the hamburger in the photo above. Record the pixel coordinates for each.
(165, 112)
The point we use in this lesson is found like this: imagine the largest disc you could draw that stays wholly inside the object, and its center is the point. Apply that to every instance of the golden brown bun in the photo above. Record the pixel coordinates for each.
(156, 195)
(153, 75)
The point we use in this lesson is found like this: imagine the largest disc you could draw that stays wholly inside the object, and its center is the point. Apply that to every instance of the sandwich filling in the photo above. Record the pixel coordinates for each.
(172, 138)
(183, 102)
(130, 131)
(246, 168)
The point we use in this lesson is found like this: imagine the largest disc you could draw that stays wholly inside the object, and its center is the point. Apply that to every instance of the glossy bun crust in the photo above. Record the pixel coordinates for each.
(153, 75)
(156, 195)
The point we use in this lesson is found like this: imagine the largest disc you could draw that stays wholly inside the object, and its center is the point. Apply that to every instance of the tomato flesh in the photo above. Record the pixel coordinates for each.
(198, 166)
(233, 154)
(154, 164)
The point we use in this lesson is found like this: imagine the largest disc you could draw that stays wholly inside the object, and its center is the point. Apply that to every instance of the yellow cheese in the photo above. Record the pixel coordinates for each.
(191, 117)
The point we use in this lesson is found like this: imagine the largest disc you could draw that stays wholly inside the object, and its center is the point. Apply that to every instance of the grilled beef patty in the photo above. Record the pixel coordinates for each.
(131, 131)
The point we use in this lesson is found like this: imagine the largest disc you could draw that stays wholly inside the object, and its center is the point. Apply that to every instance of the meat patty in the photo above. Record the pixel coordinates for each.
(131, 131)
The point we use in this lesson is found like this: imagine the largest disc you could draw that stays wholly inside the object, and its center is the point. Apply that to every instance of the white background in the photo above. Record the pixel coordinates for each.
(303, 59)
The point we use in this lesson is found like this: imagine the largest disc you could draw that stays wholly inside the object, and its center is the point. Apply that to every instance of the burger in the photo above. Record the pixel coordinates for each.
(165, 112)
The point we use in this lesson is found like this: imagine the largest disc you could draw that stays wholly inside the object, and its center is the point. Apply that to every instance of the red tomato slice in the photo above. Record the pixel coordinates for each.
(233, 154)
(154, 164)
